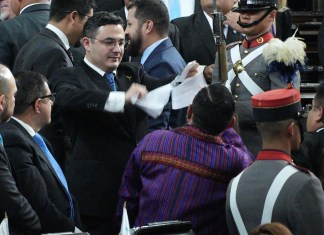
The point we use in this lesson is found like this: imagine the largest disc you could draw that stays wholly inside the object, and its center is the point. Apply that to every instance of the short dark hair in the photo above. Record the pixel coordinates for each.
(99, 19)
(213, 109)
(30, 86)
(319, 96)
(154, 10)
(60, 8)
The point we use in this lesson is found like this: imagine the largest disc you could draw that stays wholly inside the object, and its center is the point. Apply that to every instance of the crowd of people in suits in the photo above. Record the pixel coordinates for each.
(75, 149)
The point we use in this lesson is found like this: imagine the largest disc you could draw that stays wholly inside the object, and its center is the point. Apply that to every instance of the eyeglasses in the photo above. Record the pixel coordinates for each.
(51, 97)
(79, 13)
(111, 43)
(310, 107)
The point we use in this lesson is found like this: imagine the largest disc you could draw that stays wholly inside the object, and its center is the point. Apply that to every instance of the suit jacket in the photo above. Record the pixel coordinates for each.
(22, 218)
(37, 180)
(101, 141)
(44, 53)
(158, 64)
(109, 5)
(17, 31)
(196, 38)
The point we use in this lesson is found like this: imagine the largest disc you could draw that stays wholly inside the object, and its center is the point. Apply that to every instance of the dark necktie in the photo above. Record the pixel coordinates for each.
(40, 141)
(110, 77)
(70, 54)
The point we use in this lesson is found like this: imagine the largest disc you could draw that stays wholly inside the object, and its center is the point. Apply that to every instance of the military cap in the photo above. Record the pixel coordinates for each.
(256, 5)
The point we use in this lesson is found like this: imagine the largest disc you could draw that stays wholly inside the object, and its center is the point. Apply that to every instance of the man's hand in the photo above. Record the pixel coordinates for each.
(136, 91)
(208, 72)
(193, 70)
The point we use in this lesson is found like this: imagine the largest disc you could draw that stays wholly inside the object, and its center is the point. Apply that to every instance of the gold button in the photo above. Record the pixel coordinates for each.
(237, 84)
(235, 96)
(246, 51)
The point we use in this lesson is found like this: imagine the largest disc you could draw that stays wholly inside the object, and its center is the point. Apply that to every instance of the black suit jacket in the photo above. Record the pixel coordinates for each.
(196, 38)
(17, 31)
(101, 141)
(44, 53)
(109, 5)
(36, 179)
(22, 218)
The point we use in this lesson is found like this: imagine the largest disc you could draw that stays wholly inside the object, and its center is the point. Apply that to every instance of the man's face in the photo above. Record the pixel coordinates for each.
(262, 27)
(9, 99)
(314, 117)
(106, 50)
(134, 34)
(6, 11)
(78, 25)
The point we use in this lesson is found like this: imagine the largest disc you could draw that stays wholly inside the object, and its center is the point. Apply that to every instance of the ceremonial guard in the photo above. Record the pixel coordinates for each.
(273, 189)
(248, 72)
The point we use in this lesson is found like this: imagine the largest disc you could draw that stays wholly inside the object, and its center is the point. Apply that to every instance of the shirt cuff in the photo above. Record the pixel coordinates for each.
(115, 102)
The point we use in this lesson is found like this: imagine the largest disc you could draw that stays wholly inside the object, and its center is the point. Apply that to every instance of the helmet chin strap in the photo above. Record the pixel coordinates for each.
(245, 25)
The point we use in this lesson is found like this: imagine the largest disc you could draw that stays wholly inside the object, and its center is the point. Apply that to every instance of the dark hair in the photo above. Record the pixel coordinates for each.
(271, 229)
(99, 19)
(213, 108)
(60, 8)
(319, 96)
(154, 10)
(30, 86)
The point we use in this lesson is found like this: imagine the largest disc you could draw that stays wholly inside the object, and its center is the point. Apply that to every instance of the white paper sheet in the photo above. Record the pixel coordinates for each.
(183, 94)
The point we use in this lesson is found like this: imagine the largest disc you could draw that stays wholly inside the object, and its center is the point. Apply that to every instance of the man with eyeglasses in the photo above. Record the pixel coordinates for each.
(311, 152)
(50, 50)
(38, 176)
(95, 102)
(23, 219)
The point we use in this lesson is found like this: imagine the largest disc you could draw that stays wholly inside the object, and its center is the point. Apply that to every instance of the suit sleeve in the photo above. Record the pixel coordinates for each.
(32, 185)
(72, 95)
(20, 213)
(6, 55)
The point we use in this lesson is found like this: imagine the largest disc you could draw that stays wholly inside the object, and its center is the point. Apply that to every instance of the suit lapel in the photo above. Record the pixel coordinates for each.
(38, 150)
(37, 7)
(151, 60)
(205, 34)
(50, 34)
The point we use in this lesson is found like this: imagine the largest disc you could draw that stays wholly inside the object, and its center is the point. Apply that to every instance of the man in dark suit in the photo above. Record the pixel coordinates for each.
(22, 218)
(311, 152)
(196, 33)
(49, 50)
(154, 47)
(37, 174)
(95, 101)
(16, 32)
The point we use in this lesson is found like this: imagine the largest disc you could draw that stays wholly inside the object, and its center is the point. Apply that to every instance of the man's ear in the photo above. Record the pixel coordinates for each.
(86, 43)
(149, 26)
(2, 102)
(320, 114)
(232, 122)
(36, 106)
(290, 128)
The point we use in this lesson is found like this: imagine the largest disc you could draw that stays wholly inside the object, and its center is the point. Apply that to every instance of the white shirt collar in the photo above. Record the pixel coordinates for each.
(95, 68)
(28, 128)
(151, 48)
(126, 13)
(60, 34)
(320, 129)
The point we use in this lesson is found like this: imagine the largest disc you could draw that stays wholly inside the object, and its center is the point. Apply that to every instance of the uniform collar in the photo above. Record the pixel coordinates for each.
(257, 41)
(274, 155)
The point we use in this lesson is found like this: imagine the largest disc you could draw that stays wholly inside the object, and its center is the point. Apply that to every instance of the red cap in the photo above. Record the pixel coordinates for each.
(276, 105)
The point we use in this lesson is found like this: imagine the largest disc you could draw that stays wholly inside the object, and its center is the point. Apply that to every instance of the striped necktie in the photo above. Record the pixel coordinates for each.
(41, 143)
(110, 77)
